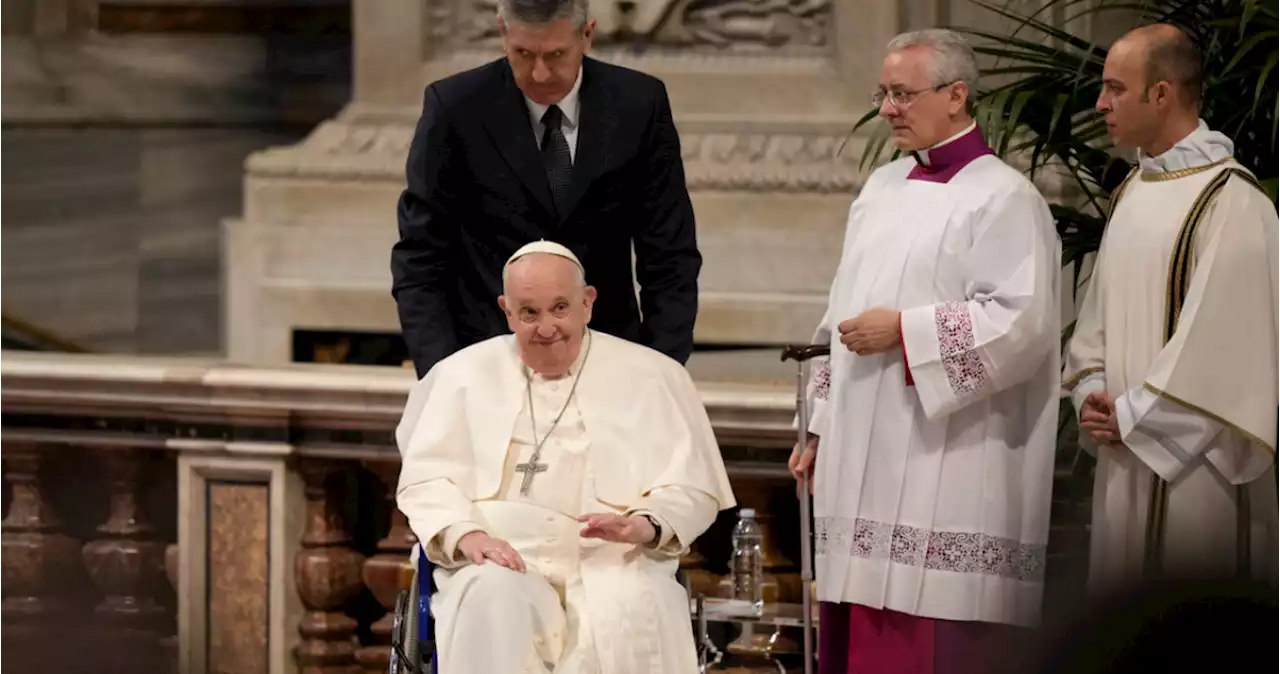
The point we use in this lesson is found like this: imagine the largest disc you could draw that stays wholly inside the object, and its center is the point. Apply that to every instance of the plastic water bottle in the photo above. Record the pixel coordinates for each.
(748, 562)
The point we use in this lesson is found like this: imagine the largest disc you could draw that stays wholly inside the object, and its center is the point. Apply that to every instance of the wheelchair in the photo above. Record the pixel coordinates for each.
(413, 648)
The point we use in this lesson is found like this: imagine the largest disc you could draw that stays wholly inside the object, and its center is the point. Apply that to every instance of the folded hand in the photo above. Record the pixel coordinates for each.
(1098, 418)
(618, 529)
(875, 330)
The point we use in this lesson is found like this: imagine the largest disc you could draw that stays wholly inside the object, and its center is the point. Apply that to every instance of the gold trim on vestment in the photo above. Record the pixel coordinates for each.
(1118, 191)
(1244, 542)
(1181, 265)
(1157, 507)
(1148, 177)
(1182, 261)
(1074, 380)
(1210, 415)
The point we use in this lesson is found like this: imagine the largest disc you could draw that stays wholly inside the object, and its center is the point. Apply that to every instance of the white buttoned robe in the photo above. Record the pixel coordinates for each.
(633, 438)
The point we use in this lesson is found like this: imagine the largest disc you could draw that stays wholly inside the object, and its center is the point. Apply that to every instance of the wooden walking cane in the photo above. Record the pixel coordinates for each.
(802, 355)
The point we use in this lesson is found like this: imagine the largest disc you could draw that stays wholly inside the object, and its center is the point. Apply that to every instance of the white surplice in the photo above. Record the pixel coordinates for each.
(634, 438)
(1198, 410)
(933, 499)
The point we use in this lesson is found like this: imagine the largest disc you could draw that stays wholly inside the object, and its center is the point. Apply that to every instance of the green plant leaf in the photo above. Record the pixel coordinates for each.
(1247, 47)
(1272, 187)
(1264, 78)
(1038, 25)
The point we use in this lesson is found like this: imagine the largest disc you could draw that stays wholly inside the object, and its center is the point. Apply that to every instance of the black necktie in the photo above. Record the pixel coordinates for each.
(556, 158)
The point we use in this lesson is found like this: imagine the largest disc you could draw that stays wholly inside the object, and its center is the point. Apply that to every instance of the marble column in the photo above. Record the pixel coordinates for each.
(328, 573)
(125, 562)
(39, 561)
(383, 571)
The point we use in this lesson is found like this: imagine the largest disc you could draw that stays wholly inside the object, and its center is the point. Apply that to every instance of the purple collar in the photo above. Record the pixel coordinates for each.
(941, 164)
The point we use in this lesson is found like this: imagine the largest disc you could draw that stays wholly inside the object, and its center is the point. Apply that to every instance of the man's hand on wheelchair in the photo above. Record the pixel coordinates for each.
(479, 546)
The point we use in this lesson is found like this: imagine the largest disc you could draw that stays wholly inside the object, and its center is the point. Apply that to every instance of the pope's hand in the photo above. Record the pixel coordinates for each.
(801, 462)
(618, 529)
(875, 330)
(1098, 417)
(479, 546)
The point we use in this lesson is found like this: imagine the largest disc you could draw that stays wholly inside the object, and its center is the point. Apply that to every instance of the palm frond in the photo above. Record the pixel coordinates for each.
(1048, 80)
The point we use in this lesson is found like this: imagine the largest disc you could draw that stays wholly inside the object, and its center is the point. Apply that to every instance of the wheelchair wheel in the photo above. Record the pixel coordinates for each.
(404, 634)
(397, 632)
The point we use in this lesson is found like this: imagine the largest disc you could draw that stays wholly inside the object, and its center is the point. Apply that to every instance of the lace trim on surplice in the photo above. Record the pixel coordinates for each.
(822, 379)
(960, 552)
(963, 365)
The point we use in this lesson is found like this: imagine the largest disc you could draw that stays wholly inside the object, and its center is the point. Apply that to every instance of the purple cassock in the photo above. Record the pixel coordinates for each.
(856, 639)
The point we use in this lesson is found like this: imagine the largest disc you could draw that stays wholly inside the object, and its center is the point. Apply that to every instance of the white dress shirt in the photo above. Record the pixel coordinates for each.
(570, 106)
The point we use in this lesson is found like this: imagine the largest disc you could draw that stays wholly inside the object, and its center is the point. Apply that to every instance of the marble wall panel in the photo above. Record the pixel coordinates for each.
(112, 234)
(239, 522)
(17, 18)
(125, 130)
(238, 567)
(68, 227)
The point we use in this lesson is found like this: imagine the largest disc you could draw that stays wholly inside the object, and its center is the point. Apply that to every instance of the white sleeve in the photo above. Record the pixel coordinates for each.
(671, 504)
(997, 337)
(818, 386)
(1169, 438)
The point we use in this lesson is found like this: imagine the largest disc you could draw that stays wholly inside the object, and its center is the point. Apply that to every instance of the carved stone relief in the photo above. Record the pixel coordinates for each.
(750, 26)
(721, 161)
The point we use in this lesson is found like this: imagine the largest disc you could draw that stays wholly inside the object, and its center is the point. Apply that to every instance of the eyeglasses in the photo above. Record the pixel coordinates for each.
(901, 99)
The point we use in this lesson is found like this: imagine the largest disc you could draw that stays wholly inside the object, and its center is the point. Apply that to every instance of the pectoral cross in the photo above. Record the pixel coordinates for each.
(529, 469)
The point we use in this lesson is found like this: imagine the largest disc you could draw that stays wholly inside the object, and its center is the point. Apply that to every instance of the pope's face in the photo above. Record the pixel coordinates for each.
(919, 111)
(548, 309)
(545, 58)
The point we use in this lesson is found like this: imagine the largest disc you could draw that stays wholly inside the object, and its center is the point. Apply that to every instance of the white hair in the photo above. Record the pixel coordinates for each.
(579, 278)
(541, 12)
(953, 58)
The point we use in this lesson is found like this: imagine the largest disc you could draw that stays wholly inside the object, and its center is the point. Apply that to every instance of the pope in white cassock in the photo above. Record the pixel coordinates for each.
(555, 477)
(1172, 365)
(935, 417)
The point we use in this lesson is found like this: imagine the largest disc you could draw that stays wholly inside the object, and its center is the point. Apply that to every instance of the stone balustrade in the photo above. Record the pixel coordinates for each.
(198, 516)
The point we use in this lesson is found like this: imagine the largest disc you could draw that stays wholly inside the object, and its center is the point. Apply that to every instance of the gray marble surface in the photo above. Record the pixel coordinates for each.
(111, 236)
(122, 155)
(160, 79)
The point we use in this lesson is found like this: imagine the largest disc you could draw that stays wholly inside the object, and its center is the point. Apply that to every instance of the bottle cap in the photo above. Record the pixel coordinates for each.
(747, 512)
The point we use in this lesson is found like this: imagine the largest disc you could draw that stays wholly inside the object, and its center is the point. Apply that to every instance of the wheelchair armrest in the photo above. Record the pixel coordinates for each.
(405, 577)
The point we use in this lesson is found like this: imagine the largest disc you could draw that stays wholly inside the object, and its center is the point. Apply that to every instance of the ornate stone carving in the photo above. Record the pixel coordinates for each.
(720, 161)
(714, 25)
(777, 162)
(328, 574)
(382, 572)
(758, 24)
(126, 564)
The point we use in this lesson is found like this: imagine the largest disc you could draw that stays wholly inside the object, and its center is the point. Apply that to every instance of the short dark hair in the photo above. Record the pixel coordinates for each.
(539, 12)
(1172, 56)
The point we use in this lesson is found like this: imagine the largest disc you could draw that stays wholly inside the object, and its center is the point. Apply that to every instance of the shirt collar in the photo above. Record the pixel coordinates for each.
(1201, 147)
(922, 156)
(569, 105)
(573, 370)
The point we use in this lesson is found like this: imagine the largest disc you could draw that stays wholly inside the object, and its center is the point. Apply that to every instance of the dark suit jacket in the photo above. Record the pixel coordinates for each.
(477, 191)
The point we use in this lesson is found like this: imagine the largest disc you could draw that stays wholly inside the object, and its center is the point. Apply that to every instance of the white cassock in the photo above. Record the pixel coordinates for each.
(1179, 324)
(932, 499)
(634, 438)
